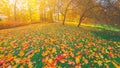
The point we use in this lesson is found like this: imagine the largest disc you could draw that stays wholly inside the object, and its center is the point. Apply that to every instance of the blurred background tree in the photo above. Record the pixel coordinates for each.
(80, 11)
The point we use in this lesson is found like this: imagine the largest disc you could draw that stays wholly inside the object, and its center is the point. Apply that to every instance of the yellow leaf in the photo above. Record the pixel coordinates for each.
(71, 54)
(100, 63)
(21, 53)
(62, 61)
(1, 55)
(17, 60)
(30, 65)
(9, 55)
(54, 50)
(50, 61)
(45, 53)
(77, 59)
(59, 67)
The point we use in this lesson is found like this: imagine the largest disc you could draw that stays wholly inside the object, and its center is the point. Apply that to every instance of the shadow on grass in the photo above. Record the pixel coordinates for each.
(107, 34)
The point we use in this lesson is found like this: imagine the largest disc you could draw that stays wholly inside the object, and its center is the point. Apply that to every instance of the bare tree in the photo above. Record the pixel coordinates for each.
(87, 6)
(64, 8)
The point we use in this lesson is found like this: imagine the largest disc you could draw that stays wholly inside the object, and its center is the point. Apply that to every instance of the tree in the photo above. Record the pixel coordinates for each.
(15, 10)
(85, 7)
(111, 11)
(64, 8)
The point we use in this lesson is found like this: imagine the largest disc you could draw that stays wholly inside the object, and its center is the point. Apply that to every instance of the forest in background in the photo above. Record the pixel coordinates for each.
(20, 12)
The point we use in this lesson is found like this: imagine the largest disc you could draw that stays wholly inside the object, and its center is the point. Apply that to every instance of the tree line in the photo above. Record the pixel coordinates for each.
(80, 11)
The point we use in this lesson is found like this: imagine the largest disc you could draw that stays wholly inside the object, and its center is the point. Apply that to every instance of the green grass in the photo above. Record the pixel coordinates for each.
(100, 26)
(106, 27)
(95, 47)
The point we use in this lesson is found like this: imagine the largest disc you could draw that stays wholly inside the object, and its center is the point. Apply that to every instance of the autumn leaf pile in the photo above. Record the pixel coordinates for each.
(57, 46)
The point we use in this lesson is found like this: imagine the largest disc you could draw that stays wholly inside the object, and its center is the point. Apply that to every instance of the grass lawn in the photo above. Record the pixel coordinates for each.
(58, 46)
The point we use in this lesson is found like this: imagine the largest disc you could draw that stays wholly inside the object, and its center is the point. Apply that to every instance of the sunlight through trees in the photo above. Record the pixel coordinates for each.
(88, 11)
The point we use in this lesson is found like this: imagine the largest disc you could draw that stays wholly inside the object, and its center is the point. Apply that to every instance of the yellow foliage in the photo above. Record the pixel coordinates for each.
(77, 59)
(21, 53)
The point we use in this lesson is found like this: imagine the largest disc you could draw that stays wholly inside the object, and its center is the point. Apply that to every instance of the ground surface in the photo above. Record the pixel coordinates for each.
(57, 46)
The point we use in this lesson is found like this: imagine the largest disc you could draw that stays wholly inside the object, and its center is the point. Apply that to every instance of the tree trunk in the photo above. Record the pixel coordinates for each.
(58, 17)
(65, 16)
(51, 16)
(66, 10)
(15, 10)
(58, 10)
(30, 14)
(80, 21)
(82, 18)
(64, 19)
